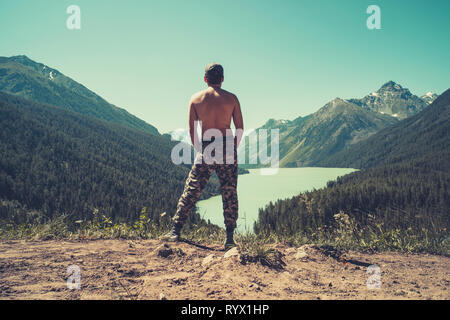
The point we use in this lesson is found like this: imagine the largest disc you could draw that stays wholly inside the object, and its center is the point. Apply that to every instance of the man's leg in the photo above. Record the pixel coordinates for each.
(228, 175)
(196, 181)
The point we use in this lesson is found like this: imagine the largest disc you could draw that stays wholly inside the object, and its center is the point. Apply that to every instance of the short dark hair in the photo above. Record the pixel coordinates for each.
(214, 73)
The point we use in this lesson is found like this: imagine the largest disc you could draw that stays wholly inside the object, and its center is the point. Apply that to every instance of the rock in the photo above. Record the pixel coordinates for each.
(290, 250)
(179, 252)
(165, 251)
(300, 253)
(255, 286)
(232, 252)
(162, 296)
(208, 259)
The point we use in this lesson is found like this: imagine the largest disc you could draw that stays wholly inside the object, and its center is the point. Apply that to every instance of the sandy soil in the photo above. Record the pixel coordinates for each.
(124, 269)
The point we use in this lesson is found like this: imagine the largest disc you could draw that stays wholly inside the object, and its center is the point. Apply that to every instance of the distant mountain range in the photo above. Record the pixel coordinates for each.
(403, 187)
(310, 140)
(394, 100)
(424, 137)
(65, 150)
(26, 78)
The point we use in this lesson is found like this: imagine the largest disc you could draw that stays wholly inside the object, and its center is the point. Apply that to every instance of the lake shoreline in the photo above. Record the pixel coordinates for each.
(255, 191)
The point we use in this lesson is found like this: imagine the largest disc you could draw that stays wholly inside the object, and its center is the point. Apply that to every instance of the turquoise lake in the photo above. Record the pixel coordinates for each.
(256, 191)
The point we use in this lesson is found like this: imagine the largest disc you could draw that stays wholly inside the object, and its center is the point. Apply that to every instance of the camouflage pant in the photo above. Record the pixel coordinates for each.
(197, 180)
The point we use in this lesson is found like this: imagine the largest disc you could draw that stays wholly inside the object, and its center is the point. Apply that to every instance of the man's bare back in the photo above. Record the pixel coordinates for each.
(214, 107)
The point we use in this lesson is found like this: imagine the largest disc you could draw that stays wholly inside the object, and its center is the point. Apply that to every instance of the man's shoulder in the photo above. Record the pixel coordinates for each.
(198, 96)
(230, 94)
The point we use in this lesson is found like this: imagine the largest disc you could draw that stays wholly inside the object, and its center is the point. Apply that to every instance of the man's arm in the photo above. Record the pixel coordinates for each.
(238, 122)
(193, 119)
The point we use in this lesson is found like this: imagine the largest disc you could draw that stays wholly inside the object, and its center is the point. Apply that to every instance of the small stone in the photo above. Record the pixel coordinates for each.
(300, 253)
(232, 252)
(207, 259)
(162, 296)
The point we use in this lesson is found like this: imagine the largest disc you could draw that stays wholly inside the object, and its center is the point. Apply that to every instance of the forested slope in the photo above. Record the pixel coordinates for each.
(406, 185)
(26, 78)
(424, 135)
(54, 161)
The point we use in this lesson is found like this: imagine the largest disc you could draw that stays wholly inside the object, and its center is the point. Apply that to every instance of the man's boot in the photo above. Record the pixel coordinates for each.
(173, 235)
(229, 243)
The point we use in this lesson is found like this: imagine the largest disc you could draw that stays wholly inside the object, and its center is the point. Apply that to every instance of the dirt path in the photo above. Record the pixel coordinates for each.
(124, 269)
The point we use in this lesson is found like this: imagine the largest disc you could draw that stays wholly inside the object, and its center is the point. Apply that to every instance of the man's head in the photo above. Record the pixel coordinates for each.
(214, 74)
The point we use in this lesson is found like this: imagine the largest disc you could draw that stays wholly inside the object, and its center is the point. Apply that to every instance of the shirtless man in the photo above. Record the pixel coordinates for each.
(215, 108)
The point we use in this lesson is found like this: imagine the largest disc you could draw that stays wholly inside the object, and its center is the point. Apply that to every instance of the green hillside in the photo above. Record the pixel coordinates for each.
(54, 161)
(26, 78)
(425, 135)
(401, 201)
(308, 140)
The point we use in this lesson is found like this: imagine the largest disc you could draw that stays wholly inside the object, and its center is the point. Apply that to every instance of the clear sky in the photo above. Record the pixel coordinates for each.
(283, 59)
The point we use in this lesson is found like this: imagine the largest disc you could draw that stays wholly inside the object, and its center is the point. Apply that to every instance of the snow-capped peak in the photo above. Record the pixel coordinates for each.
(429, 97)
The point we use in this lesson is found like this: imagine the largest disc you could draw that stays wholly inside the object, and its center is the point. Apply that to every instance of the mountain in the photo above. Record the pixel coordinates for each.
(310, 140)
(429, 97)
(55, 161)
(392, 99)
(307, 140)
(423, 136)
(24, 77)
(401, 196)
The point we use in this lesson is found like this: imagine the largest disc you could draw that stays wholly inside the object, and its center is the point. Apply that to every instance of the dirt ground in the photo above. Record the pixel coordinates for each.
(124, 269)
